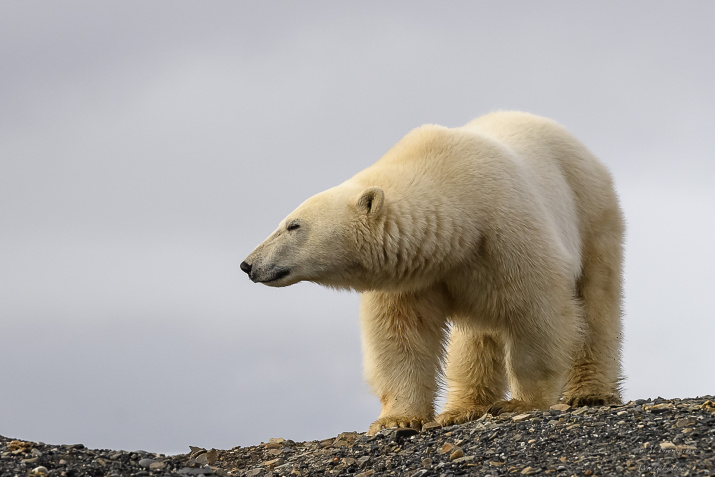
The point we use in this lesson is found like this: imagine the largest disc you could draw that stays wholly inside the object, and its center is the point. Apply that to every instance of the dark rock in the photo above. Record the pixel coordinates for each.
(402, 434)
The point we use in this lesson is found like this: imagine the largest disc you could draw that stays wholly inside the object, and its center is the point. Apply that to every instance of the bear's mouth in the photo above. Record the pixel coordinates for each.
(277, 275)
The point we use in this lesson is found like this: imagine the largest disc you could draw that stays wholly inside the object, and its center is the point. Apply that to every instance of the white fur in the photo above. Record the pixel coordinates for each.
(506, 228)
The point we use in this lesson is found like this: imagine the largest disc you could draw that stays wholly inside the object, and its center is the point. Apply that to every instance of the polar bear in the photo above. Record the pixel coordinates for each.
(488, 254)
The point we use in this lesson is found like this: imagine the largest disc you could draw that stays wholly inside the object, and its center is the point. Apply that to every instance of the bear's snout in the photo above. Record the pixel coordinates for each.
(269, 274)
(246, 267)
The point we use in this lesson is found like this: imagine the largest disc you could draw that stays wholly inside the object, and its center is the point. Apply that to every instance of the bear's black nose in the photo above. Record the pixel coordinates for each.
(246, 267)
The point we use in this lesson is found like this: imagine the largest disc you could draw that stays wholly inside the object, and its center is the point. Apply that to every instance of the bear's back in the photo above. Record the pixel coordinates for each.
(575, 188)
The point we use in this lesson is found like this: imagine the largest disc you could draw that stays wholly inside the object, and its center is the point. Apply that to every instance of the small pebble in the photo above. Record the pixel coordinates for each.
(667, 446)
(447, 447)
(521, 417)
(685, 422)
(146, 463)
(157, 466)
(456, 454)
(462, 460)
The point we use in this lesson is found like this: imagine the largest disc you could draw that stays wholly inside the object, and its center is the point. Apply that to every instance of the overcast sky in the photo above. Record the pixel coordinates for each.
(147, 147)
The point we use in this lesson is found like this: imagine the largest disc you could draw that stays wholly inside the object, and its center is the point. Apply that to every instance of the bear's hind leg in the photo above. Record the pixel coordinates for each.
(595, 375)
(403, 344)
(475, 375)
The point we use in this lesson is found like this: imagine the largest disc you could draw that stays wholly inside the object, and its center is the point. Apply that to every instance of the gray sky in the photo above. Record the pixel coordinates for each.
(147, 147)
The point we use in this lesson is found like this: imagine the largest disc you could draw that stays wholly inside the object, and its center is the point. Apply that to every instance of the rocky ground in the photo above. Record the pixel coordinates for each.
(658, 437)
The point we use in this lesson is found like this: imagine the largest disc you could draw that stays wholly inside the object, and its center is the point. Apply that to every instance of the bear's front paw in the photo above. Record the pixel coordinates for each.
(460, 416)
(390, 422)
(513, 405)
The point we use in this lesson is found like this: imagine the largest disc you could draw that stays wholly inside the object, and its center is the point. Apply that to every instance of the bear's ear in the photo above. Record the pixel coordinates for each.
(371, 201)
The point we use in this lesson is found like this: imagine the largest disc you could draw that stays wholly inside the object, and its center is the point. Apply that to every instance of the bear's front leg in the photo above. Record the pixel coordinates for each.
(403, 343)
(538, 355)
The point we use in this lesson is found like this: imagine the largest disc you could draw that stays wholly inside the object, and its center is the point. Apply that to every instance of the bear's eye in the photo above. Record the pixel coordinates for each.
(293, 226)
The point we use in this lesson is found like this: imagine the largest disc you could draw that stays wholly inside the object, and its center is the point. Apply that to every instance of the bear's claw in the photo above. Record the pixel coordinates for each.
(390, 422)
(460, 416)
(513, 405)
(593, 400)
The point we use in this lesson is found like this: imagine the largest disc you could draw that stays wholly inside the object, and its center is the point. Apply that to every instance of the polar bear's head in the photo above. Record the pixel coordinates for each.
(320, 241)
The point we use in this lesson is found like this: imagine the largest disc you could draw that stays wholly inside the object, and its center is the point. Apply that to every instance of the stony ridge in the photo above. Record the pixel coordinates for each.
(644, 437)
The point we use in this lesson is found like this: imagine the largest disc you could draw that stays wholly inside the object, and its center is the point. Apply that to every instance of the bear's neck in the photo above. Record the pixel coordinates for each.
(409, 245)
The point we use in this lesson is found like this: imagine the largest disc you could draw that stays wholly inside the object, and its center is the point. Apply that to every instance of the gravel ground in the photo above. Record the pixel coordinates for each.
(653, 437)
